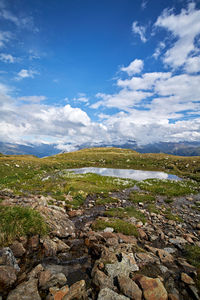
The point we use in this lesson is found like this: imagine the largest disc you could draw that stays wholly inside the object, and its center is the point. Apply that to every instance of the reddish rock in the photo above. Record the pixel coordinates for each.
(50, 247)
(76, 291)
(59, 294)
(129, 288)
(153, 289)
(187, 279)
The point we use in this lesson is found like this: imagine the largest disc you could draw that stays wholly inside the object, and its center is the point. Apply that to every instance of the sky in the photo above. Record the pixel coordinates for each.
(76, 72)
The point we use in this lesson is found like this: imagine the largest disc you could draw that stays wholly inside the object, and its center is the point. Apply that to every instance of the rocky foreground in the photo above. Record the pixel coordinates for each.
(75, 262)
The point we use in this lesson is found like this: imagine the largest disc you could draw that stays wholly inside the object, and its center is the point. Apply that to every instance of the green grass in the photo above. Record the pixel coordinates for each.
(152, 208)
(137, 197)
(169, 188)
(19, 221)
(117, 224)
(126, 212)
(192, 254)
(106, 200)
(170, 216)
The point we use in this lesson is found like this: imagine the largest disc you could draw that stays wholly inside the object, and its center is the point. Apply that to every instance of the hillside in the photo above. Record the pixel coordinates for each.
(85, 236)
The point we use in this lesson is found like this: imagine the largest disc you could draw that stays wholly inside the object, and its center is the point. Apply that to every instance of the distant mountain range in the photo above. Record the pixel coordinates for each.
(181, 148)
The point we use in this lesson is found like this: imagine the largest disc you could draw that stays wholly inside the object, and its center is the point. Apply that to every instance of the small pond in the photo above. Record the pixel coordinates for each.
(124, 173)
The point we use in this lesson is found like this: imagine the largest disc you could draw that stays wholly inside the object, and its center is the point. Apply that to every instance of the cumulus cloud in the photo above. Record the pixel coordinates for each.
(134, 67)
(140, 30)
(185, 27)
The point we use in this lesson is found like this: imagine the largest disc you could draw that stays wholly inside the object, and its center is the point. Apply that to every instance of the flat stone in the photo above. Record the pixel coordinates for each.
(124, 267)
(108, 294)
(177, 241)
(35, 272)
(47, 279)
(101, 280)
(187, 279)
(129, 288)
(76, 291)
(153, 289)
(25, 291)
(143, 258)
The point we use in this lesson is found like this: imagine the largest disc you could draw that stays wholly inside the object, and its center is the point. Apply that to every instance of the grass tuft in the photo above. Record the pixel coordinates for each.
(18, 221)
(117, 224)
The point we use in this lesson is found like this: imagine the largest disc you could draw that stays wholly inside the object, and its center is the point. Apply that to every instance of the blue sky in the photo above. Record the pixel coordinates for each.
(99, 72)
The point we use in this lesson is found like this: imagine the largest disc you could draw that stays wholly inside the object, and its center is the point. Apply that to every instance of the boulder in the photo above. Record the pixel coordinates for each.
(47, 279)
(18, 249)
(123, 267)
(129, 288)
(25, 291)
(57, 220)
(153, 289)
(7, 277)
(7, 258)
(108, 294)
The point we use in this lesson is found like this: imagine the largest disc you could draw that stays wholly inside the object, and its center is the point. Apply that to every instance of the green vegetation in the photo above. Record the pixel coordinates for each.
(192, 253)
(137, 197)
(18, 221)
(117, 224)
(170, 216)
(126, 212)
(26, 174)
(169, 188)
(152, 208)
(106, 200)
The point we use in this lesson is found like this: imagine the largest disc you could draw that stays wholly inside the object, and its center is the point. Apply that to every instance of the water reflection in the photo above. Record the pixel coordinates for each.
(124, 173)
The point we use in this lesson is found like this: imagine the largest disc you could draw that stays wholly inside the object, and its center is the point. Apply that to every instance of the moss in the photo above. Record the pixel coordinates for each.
(117, 224)
(107, 200)
(17, 221)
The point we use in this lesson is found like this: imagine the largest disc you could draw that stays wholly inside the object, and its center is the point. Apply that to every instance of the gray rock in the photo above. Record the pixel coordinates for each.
(7, 258)
(47, 279)
(108, 229)
(108, 294)
(124, 267)
(25, 291)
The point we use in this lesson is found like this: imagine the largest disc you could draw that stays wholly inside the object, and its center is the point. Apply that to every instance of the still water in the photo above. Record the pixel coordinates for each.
(124, 173)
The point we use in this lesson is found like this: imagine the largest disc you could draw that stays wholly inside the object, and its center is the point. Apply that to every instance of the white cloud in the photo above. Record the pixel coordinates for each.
(158, 50)
(20, 21)
(33, 99)
(192, 65)
(82, 98)
(7, 58)
(185, 27)
(26, 74)
(5, 36)
(134, 67)
(139, 29)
